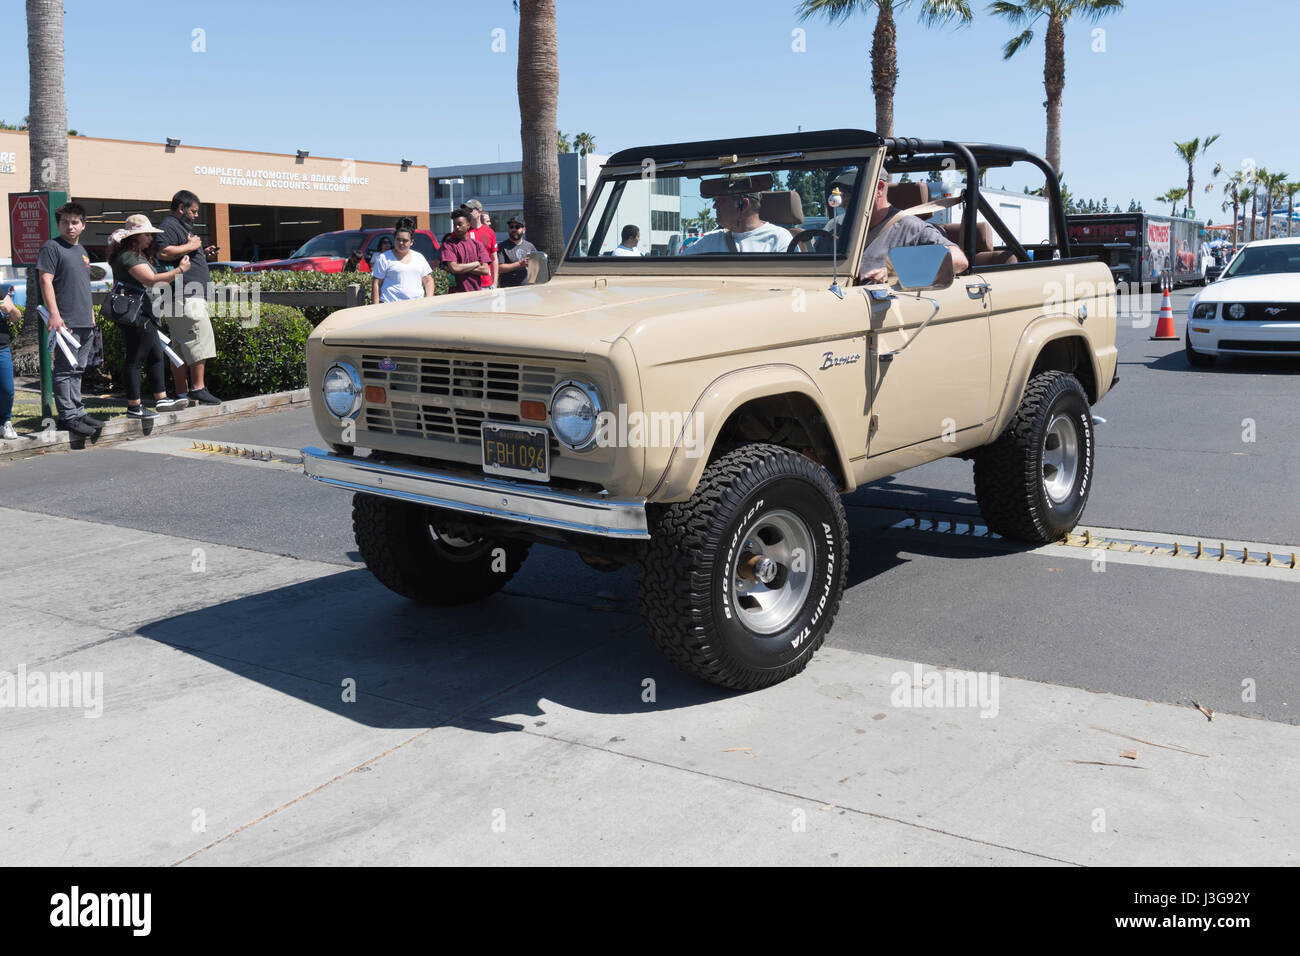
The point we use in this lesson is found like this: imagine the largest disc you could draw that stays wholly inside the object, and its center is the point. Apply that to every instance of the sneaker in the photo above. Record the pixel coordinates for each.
(171, 404)
(139, 411)
(7, 431)
(92, 421)
(204, 396)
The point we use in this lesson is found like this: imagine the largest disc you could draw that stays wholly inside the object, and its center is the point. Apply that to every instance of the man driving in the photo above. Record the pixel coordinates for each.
(890, 228)
(740, 228)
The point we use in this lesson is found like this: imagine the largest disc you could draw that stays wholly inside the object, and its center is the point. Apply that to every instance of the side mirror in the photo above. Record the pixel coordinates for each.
(539, 269)
(921, 267)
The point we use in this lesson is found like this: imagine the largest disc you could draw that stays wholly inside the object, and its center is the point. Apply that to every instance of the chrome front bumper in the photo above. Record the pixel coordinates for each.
(488, 497)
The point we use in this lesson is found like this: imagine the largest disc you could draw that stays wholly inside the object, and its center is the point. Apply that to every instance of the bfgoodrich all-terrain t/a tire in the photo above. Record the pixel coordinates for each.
(742, 582)
(403, 547)
(1032, 482)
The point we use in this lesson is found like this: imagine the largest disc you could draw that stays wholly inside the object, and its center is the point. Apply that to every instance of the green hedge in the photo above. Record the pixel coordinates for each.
(289, 281)
(251, 360)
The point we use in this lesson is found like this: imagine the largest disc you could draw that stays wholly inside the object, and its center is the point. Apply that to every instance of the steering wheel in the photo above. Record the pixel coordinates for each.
(820, 240)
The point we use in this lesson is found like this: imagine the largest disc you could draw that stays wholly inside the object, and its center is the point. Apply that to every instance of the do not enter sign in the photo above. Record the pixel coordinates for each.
(29, 225)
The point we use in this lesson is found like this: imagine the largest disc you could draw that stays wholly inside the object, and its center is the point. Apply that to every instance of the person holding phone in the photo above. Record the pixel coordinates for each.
(8, 313)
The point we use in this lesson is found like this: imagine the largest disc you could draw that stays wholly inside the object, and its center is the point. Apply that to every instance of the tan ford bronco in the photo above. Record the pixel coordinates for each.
(697, 405)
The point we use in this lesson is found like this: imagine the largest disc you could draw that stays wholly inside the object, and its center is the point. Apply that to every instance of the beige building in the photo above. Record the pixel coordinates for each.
(255, 205)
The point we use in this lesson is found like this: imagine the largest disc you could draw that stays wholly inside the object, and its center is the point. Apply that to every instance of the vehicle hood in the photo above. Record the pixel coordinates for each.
(562, 317)
(1278, 287)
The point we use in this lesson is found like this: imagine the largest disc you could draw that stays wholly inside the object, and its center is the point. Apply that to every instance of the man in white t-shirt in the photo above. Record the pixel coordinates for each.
(631, 237)
(741, 230)
(400, 273)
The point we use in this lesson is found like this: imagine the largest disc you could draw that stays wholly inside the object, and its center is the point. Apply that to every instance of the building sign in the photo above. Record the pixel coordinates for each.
(7, 161)
(281, 179)
(29, 225)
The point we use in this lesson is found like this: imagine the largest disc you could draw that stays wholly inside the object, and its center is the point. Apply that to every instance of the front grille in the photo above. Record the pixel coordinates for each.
(446, 395)
(1258, 312)
(1243, 345)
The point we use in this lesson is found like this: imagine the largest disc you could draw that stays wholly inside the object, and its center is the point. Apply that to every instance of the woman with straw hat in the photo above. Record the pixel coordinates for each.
(130, 251)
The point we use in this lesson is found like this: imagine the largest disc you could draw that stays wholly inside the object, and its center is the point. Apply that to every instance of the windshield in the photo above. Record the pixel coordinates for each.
(678, 210)
(1264, 260)
(338, 245)
(11, 272)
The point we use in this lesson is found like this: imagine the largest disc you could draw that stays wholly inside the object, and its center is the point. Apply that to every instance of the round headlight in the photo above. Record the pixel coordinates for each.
(574, 408)
(341, 389)
(1203, 310)
(1237, 310)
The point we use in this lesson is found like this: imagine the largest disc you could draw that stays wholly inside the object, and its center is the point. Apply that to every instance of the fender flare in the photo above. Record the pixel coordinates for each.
(715, 405)
(1035, 337)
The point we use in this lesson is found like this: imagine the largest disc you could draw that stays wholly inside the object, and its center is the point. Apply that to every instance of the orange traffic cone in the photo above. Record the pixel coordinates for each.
(1165, 324)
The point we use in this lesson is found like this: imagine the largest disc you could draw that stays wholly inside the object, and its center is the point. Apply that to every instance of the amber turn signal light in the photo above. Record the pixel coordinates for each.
(532, 411)
(376, 394)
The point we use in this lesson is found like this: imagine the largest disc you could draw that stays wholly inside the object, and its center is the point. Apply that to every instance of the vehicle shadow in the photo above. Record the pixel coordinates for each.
(410, 666)
(1252, 365)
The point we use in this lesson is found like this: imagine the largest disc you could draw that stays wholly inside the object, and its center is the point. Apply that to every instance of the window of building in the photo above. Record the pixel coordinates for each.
(663, 220)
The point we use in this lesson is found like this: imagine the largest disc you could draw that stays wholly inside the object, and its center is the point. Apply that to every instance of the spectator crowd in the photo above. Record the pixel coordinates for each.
(161, 281)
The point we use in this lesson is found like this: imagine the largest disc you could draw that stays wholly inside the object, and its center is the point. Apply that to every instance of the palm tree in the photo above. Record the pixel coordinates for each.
(1058, 13)
(1274, 184)
(47, 119)
(562, 143)
(538, 81)
(1289, 190)
(584, 143)
(1190, 151)
(884, 55)
(1233, 196)
(1173, 196)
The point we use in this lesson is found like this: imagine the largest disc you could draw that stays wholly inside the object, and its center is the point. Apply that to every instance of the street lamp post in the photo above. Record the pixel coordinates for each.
(451, 195)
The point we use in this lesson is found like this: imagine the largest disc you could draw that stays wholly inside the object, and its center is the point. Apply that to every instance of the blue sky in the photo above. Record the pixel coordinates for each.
(421, 80)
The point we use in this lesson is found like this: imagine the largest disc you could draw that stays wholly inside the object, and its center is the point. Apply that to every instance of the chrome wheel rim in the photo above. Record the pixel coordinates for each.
(454, 548)
(772, 573)
(1060, 458)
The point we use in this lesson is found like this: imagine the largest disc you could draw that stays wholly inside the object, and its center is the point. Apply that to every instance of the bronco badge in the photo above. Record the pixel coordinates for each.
(830, 359)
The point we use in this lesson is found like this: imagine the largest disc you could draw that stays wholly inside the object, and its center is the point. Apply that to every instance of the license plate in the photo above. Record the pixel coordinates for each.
(519, 451)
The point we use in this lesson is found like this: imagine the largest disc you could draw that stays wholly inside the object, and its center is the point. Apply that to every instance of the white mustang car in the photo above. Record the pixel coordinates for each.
(1254, 307)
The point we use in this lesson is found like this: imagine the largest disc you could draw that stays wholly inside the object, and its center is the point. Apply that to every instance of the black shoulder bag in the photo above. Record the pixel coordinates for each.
(126, 307)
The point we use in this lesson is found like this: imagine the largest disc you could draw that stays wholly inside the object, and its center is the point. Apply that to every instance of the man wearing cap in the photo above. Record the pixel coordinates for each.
(890, 228)
(512, 255)
(741, 229)
(486, 236)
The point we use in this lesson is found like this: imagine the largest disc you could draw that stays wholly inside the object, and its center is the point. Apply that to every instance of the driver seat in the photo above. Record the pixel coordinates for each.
(782, 207)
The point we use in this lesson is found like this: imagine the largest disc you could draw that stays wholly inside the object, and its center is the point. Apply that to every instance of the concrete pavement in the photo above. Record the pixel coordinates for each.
(523, 730)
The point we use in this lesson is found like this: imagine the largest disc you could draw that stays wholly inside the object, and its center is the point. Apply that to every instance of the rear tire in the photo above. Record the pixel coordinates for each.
(742, 582)
(402, 547)
(1032, 483)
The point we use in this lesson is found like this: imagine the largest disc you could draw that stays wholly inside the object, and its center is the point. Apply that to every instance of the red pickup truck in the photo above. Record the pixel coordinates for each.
(330, 250)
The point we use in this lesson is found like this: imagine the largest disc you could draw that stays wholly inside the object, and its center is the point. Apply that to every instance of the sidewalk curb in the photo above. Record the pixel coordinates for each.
(124, 429)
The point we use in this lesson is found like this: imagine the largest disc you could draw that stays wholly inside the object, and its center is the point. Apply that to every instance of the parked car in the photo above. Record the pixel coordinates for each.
(12, 275)
(232, 265)
(101, 277)
(668, 412)
(329, 251)
(1254, 307)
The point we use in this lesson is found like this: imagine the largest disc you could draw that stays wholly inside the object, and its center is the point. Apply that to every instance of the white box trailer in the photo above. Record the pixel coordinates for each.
(1028, 217)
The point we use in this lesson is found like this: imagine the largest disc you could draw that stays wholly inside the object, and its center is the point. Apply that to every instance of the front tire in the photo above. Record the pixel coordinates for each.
(403, 547)
(1032, 483)
(742, 582)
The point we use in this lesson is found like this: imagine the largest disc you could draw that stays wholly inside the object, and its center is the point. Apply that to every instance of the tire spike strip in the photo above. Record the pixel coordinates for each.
(966, 526)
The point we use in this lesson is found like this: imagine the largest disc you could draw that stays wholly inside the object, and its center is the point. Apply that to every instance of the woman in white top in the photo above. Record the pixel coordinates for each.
(401, 273)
